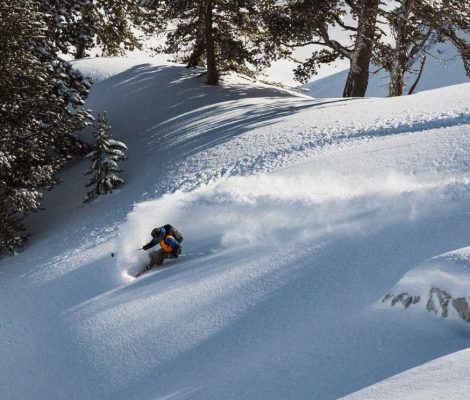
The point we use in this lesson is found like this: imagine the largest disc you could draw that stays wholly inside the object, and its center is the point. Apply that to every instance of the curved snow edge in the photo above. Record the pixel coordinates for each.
(441, 284)
(443, 378)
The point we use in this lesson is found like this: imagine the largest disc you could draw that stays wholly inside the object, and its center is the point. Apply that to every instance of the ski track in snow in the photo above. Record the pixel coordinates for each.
(294, 145)
(306, 213)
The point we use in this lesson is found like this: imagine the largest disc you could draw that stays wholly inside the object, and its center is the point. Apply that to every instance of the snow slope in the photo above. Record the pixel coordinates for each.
(299, 215)
(444, 378)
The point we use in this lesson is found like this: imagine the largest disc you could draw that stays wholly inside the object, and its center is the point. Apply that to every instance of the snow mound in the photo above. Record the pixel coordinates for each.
(440, 285)
(445, 378)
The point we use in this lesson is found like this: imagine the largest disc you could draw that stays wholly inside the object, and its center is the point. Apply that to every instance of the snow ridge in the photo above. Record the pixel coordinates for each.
(295, 144)
(439, 285)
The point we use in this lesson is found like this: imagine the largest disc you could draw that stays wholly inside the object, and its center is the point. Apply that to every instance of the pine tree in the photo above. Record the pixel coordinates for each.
(75, 26)
(416, 25)
(104, 158)
(221, 35)
(116, 31)
(82, 28)
(40, 108)
(296, 23)
(67, 24)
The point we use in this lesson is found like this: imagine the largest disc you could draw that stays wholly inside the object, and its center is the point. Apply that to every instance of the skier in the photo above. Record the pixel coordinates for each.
(169, 239)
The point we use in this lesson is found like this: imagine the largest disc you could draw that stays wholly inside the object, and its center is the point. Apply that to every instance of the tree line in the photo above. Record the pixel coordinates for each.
(42, 98)
(248, 35)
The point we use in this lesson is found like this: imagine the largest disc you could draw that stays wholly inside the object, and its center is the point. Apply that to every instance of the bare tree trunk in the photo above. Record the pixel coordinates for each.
(397, 74)
(80, 51)
(212, 73)
(196, 58)
(358, 77)
(421, 69)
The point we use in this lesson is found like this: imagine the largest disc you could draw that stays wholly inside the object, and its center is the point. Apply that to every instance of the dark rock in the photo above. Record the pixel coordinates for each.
(439, 301)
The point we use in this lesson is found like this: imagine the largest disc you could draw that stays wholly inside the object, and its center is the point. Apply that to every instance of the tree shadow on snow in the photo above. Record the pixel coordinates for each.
(175, 115)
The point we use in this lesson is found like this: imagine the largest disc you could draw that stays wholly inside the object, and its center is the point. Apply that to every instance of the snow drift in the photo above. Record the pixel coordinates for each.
(440, 285)
(445, 378)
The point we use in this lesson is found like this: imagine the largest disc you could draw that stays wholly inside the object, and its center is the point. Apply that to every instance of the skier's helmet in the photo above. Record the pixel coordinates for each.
(156, 233)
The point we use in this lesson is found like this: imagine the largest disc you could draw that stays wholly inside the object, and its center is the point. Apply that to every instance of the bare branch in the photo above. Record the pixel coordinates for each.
(302, 44)
(340, 22)
(413, 87)
(336, 46)
(419, 46)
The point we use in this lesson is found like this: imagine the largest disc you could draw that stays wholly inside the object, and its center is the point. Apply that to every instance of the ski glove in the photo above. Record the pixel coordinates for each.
(146, 247)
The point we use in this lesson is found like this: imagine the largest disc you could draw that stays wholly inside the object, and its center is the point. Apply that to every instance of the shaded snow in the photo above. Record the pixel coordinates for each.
(297, 216)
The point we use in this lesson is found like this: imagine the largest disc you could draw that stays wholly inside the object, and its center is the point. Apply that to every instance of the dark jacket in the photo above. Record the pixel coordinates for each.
(167, 242)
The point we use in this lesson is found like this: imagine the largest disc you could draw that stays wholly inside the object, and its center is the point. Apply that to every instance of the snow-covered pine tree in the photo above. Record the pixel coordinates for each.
(41, 100)
(116, 30)
(79, 25)
(68, 23)
(104, 158)
(221, 35)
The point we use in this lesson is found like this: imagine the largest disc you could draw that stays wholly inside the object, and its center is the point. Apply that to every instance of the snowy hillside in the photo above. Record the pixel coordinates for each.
(299, 216)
